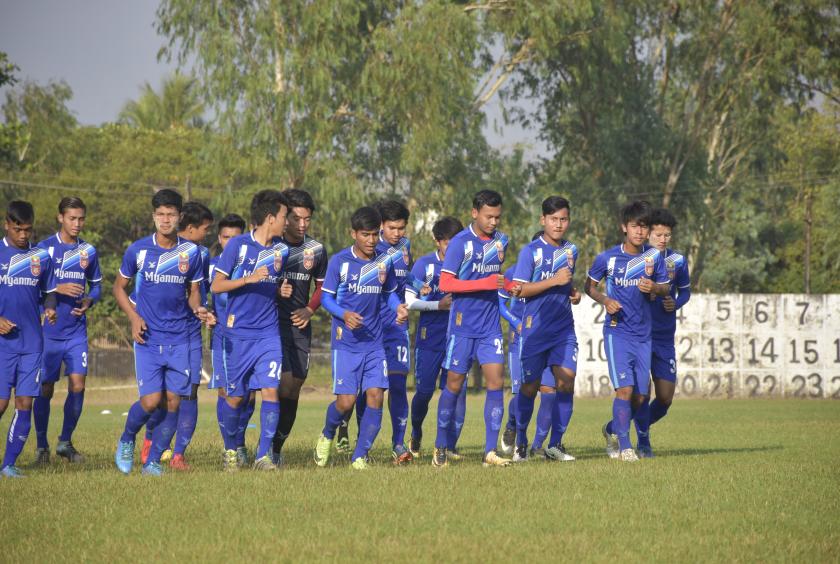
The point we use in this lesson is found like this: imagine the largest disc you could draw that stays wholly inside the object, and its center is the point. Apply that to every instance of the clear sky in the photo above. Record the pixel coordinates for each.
(106, 49)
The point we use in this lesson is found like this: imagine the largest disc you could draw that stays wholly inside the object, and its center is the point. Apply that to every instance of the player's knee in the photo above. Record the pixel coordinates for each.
(666, 399)
(624, 393)
(23, 402)
(47, 390)
(375, 397)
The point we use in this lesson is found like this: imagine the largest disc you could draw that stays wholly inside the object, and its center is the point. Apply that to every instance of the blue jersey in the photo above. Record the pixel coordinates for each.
(623, 272)
(469, 257)
(515, 306)
(219, 300)
(252, 309)
(665, 323)
(204, 289)
(358, 285)
(73, 263)
(431, 328)
(26, 275)
(550, 312)
(162, 279)
(400, 257)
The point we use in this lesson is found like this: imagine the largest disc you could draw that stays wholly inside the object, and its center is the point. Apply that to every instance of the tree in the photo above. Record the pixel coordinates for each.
(178, 105)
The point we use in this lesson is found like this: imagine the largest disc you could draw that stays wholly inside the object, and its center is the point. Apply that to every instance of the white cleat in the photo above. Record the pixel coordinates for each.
(558, 453)
(493, 459)
(628, 455)
(520, 454)
(612, 442)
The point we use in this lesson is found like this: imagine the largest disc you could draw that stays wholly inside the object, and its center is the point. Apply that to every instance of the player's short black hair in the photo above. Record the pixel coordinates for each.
(299, 199)
(20, 212)
(365, 219)
(232, 220)
(392, 210)
(638, 212)
(487, 198)
(168, 198)
(70, 203)
(662, 216)
(194, 213)
(554, 204)
(446, 228)
(266, 203)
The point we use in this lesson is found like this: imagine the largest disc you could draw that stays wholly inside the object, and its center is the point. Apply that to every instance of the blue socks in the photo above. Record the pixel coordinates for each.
(446, 410)
(163, 434)
(369, 428)
(154, 420)
(657, 411)
(457, 422)
(511, 422)
(494, 412)
(18, 433)
(269, 417)
(621, 422)
(334, 419)
(187, 418)
(41, 411)
(72, 413)
(230, 429)
(137, 417)
(397, 407)
(544, 418)
(419, 410)
(361, 405)
(246, 411)
(220, 414)
(641, 416)
(560, 417)
(525, 410)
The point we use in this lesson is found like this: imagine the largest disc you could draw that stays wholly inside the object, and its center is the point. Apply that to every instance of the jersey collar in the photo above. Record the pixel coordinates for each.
(8, 245)
(154, 241)
(477, 236)
(437, 256)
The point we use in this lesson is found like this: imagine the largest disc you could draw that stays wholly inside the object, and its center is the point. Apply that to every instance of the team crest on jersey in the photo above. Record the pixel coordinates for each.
(500, 250)
(570, 258)
(183, 262)
(308, 259)
(83, 258)
(671, 268)
(35, 265)
(649, 266)
(383, 272)
(278, 260)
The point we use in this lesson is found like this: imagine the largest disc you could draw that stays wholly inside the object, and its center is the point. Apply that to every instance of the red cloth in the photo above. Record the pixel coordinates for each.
(315, 300)
(450, 284)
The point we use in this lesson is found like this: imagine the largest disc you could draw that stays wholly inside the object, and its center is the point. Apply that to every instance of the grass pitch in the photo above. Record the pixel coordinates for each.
(746, 480)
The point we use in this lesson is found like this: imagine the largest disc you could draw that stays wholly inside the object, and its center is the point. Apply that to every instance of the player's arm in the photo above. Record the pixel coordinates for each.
(138, 324)
(222, 284)
(683, 283)
(504, 309)
(452, 285)
(414, 303)
(393, 298)
(590, 287)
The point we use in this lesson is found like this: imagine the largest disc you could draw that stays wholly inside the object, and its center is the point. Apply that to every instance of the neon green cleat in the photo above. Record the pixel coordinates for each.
(166, 455)
(359, 464)
(264, 464)
(322, 451)
(230, 461)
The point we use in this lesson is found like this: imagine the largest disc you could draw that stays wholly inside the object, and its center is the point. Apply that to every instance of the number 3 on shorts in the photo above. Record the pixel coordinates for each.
(84, 360)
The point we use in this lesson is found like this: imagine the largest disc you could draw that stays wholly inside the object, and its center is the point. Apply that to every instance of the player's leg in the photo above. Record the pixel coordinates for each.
(397, 345)
(660, 405)
(664, 371)
(532, 369)
(374, 383)
(188, 410)
(76, 364)
(25, 371)
(515, 371)
(238, 361)
(548, 395)
(457, 424)
(427, 370)
(178, 385)
(296, 347)
(563, 362)
(490, 355)
(217, 381)
(347, 368)
(641, 395)
(53, 356)
(149, 365)
(620, 364)
(457, 362)
(266, 378)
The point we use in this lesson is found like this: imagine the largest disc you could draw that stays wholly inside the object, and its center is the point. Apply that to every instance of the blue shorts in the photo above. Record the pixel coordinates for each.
(161, 368)
(462, 351)
(72, 352)
(548, 380)
(514, 368)
(252, 364)
(21, 371)
(663, 361)
(396, 342)
(195, 362)
(563, 352)
(217, 378)
(428, 370)
(628, 361)
(355, 372)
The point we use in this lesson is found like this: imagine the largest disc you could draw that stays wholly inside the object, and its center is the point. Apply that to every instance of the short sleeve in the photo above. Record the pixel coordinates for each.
(321, 269)
(128, 268)
(454, 256)
(332, 277)
(227, 259)
(524, 265)
(416, 277)
(196, 273)
(598, 270)
(683, 279)
(92, 272)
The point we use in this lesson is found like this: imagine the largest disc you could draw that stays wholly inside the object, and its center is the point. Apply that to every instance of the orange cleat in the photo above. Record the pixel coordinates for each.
(144, 453)
(178, 463)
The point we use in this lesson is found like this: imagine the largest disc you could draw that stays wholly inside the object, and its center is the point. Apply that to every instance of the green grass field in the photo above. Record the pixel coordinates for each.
(732, 481)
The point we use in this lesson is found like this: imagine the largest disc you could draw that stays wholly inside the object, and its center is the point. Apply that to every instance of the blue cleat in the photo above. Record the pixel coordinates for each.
(152, 469)
(124, 457)
(11, 471)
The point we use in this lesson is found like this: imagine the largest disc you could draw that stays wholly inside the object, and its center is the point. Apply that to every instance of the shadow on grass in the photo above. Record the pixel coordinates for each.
(585, 453)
